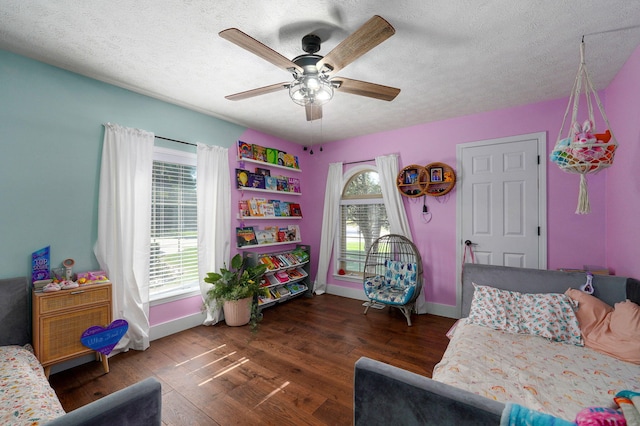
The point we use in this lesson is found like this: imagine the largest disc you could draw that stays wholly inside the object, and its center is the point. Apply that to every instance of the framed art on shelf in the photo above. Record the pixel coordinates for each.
(435, 174)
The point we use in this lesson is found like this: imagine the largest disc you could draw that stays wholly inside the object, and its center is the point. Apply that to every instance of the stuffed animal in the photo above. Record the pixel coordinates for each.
(603, 137)
(583, 135)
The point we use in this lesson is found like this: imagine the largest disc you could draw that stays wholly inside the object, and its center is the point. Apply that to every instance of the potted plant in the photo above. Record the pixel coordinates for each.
(236, 290)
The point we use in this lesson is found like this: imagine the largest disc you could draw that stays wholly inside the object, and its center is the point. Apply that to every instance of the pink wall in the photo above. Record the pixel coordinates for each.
(573, 240)
(623, 178)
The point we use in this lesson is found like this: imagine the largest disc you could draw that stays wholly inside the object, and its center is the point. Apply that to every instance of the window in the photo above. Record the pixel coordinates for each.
(363, 218)
(174, 240)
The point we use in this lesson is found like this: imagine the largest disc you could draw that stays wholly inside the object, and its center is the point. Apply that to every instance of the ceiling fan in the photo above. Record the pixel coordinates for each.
(314, 75)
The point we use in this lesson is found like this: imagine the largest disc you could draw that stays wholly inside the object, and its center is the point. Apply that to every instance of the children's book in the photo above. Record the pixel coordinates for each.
(254, 209)
(245, 150)
(263, 172)
(263, 237)
(294, 184)
(284, 209)
(295, 210)
(272, 156)
(273, 230)
(289, 160)
(281, 155)
(294, 233)
(282, 276)
(259, 153)
(266, 209)
(270, 183)
(265, 260)
(284, 291)
(283, 183)
(256, 181)
(276, 208)
(246, 236)
(243, 207)
(242, 178)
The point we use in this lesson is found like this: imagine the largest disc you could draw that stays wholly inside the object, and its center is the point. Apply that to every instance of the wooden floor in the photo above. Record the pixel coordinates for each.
(297, 369)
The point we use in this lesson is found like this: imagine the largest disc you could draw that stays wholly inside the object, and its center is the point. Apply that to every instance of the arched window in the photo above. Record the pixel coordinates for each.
(363, 218)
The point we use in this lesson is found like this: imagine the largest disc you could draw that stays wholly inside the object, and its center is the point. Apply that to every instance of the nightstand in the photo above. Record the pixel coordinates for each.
(60, 318)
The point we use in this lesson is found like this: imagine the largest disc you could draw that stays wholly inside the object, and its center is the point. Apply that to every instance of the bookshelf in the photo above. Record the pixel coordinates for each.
(287, 275)
(271, 218)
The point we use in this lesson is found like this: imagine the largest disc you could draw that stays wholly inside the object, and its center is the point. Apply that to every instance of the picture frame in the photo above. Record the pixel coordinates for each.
(435, 174)
(411, 176)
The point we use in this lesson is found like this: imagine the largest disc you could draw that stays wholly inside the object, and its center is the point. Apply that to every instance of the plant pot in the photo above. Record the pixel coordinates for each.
(237, 312)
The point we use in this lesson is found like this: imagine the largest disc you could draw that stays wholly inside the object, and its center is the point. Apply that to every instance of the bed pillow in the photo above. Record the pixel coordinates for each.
(548, 315)
(591, 310)
(618, 334)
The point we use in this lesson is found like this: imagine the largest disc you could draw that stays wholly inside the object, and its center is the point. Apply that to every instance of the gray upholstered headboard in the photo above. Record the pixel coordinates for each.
(610, 289)
(15, 312)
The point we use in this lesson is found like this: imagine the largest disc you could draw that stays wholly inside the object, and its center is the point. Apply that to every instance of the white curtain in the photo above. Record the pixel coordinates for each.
(330, 221)
(214, 217)
(398, 223)
(124, 227)
(388, 172)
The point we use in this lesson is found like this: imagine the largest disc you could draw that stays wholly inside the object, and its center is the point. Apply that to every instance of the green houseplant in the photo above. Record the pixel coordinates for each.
(236, 290)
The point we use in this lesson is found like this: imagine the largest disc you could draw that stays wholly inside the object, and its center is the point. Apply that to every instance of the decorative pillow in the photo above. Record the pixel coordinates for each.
(548, 315)
(612, 331)
(591, 310)
(400, 275)
(618, 335)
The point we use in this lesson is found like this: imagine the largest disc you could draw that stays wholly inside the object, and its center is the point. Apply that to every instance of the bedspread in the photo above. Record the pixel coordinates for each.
(26, 398)
(551, 377)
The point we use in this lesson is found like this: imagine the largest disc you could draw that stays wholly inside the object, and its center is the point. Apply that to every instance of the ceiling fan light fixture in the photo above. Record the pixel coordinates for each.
(310, 90)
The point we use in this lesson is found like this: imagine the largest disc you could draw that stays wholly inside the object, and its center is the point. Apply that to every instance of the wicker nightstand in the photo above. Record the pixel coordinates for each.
(60, 317)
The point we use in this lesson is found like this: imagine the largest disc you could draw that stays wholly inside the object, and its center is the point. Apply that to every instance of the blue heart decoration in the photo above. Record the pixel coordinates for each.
(104, 339)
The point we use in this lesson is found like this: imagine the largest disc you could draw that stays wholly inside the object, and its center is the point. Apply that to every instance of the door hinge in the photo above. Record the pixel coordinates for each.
(538, 159)
(538, 231)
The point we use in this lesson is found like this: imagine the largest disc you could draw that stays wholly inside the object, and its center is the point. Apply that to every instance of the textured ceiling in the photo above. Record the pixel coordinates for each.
(449, 57)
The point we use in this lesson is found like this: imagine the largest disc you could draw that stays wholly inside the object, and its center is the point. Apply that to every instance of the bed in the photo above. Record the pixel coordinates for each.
(26, 398)
(483, 371)
(555, 377)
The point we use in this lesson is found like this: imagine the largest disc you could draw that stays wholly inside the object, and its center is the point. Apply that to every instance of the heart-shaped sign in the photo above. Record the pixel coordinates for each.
(104, 339)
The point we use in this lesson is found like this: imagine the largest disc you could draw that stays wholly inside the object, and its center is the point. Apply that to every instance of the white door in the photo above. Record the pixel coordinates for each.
(501, 201)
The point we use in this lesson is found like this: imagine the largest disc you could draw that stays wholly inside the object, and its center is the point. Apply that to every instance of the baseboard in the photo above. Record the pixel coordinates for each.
(351, 293)
(159, 331)
(431, 308)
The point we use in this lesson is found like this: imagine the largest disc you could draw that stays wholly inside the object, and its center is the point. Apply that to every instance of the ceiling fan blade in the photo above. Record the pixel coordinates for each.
(372, 33)
(314, 112)
(363, 88)
(257, 92)
(249, 43)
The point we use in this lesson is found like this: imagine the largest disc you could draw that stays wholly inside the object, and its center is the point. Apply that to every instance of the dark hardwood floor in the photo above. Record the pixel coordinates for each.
(296, 370)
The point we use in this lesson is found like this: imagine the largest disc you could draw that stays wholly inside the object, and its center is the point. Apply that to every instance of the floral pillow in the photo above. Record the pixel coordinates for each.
(548, 315)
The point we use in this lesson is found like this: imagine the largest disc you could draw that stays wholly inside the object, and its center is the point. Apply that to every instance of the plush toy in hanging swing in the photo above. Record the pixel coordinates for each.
(583, 135)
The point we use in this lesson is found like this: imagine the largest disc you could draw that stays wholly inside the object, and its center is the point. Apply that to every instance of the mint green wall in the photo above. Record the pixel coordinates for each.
(50, 145)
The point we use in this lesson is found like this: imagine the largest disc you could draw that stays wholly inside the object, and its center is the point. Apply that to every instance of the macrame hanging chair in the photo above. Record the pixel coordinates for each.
(583, 150)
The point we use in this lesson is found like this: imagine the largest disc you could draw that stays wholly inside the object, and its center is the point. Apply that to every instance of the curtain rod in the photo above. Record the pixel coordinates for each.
(175, 140)
(361, 161)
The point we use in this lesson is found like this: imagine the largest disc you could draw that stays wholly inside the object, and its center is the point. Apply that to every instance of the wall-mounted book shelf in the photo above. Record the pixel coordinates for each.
(248, 188)
(264, 163)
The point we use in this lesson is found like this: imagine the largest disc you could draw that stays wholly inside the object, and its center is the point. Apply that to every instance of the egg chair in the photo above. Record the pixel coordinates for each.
(393, 274)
